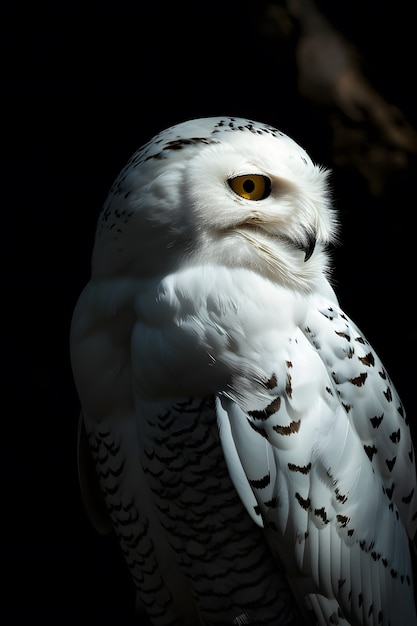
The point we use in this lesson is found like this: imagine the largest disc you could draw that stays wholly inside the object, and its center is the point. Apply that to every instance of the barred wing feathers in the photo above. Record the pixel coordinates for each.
(324, 445)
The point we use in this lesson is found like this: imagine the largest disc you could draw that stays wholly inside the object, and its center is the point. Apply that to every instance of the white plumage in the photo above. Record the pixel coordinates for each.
(249, 443)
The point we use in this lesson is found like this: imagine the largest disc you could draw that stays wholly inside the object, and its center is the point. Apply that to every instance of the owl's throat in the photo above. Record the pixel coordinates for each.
(254, 232)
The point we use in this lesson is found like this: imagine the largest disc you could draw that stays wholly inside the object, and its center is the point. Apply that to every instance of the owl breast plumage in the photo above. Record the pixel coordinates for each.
(253, 455)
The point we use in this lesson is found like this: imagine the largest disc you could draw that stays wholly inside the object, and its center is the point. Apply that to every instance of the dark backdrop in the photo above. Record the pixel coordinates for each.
(84, 85)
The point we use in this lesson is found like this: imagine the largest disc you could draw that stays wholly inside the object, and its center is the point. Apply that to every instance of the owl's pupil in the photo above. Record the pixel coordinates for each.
(248, 185)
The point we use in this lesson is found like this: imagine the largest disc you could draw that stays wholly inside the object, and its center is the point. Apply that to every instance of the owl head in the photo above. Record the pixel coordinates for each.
(221, 191)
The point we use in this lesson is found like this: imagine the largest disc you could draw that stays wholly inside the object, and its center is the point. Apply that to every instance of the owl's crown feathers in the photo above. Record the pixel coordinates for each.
(219, 190)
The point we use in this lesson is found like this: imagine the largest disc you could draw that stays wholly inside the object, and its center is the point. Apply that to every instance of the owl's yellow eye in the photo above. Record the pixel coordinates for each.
(251, 186)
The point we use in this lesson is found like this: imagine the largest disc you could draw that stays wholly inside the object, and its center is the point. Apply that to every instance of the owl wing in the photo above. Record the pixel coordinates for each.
(92, 495)
(109, 455)
(323, 445)
(371, 403)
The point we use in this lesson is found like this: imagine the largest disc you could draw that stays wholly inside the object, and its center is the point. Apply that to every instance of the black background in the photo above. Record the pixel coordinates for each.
(83, 86)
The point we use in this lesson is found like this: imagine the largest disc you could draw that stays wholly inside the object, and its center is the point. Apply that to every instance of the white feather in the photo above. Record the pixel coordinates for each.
(234, 464)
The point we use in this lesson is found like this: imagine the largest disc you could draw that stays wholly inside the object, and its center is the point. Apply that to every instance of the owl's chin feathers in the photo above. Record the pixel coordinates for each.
(296, 265)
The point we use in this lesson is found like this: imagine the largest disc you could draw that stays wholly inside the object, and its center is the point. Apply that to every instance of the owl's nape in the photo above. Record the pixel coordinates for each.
(253, 456)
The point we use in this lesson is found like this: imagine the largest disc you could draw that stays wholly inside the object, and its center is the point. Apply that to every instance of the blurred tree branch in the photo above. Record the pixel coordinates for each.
(368, 133)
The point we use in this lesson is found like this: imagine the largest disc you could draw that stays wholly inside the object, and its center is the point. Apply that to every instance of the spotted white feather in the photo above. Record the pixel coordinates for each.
(254, 456)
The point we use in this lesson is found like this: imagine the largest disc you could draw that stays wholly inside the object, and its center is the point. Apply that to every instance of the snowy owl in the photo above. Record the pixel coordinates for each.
(254, 457)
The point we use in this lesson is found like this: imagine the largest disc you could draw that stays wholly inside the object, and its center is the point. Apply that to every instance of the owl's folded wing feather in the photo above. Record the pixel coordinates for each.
(326, 505)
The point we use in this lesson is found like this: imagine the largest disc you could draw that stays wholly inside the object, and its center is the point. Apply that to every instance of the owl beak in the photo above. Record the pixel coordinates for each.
(308, 247)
